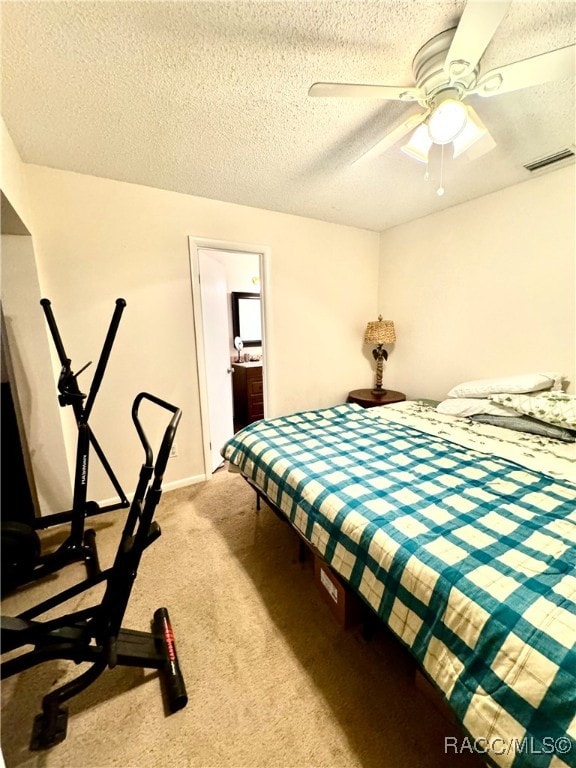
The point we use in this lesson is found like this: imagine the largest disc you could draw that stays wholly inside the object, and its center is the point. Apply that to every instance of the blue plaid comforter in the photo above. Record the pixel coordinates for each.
(470, 559)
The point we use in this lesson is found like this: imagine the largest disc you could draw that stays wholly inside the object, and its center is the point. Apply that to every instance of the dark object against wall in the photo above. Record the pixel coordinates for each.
(15, 496)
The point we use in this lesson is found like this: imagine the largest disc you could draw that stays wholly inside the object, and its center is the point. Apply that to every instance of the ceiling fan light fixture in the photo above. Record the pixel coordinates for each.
(419, 145)
(472, 132)
(447, 121)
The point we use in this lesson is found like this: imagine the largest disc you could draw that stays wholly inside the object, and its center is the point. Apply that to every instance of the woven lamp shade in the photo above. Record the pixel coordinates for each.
(380, 332)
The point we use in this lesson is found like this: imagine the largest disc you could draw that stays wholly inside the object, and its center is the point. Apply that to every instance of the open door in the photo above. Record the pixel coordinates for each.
(213, 290)
(214, 365)
(214, 333)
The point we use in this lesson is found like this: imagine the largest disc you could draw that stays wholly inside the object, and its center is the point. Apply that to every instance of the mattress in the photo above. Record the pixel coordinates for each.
(460, 538)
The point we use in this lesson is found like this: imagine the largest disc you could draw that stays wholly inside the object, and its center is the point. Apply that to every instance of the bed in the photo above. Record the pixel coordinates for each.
(461, 537)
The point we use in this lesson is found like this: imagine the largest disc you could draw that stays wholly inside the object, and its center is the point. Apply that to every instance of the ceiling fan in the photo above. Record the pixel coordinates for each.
(446, 72)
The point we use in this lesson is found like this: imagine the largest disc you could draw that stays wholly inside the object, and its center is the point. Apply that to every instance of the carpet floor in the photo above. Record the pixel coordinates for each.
(273, 680)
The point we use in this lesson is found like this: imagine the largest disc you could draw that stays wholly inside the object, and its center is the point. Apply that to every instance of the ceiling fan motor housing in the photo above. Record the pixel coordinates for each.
(431, 76)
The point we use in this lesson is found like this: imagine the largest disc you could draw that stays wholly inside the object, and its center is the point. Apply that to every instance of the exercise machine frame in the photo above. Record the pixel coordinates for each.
(80, 543)
(95, 634)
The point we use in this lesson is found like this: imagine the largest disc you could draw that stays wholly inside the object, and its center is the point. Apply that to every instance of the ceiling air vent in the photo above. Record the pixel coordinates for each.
(564, 157)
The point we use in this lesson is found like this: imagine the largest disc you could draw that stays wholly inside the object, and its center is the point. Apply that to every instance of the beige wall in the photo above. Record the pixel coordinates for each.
(97, 240)
(484, 288)
(12, 178)
(32, 381)
(25, 348)
(480, 289)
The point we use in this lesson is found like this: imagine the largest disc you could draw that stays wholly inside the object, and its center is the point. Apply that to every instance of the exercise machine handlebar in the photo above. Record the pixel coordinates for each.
(169, 433)
(47, 307)
(70, 393)
(103, 361)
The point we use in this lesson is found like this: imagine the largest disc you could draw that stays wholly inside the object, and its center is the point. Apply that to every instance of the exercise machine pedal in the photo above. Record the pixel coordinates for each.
(50, 728)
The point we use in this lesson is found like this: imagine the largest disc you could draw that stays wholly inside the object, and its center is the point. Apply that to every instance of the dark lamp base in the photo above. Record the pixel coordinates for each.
(380, 392)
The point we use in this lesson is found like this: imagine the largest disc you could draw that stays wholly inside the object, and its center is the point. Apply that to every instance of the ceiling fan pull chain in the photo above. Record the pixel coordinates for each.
(440, 190)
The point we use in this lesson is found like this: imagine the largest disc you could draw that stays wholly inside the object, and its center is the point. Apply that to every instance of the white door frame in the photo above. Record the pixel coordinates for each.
(264, 252)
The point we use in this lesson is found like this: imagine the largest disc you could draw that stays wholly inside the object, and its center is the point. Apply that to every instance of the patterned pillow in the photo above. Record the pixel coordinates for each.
(557, 408)
(526, 382)
(529, 425)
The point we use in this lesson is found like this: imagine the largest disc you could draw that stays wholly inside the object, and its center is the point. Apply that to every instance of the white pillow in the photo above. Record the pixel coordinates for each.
(528, 382)
(472, 406)
(558, 408)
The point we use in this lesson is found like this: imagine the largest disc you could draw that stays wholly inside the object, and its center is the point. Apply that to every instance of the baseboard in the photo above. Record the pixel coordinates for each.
(184, 482)
(172, 486)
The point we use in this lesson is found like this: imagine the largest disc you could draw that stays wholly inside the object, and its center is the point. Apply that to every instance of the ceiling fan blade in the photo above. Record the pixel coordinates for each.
(479, 22)
(554, 65)
(359, 91)
(394, 136)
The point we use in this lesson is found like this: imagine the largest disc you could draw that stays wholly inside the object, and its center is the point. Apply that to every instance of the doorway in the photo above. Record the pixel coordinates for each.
(219, 271)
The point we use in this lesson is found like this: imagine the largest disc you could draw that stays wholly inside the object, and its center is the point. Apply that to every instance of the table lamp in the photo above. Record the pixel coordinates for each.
(379, 332)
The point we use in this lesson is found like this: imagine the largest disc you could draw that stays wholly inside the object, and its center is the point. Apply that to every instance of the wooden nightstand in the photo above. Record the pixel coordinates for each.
(367, 398)
(248, 393)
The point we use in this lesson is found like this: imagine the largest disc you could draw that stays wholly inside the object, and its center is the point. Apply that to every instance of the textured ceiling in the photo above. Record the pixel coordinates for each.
(209, 98)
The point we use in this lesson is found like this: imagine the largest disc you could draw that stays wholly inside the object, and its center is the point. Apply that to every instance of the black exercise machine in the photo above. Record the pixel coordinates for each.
(22, 560)
(95, 634)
